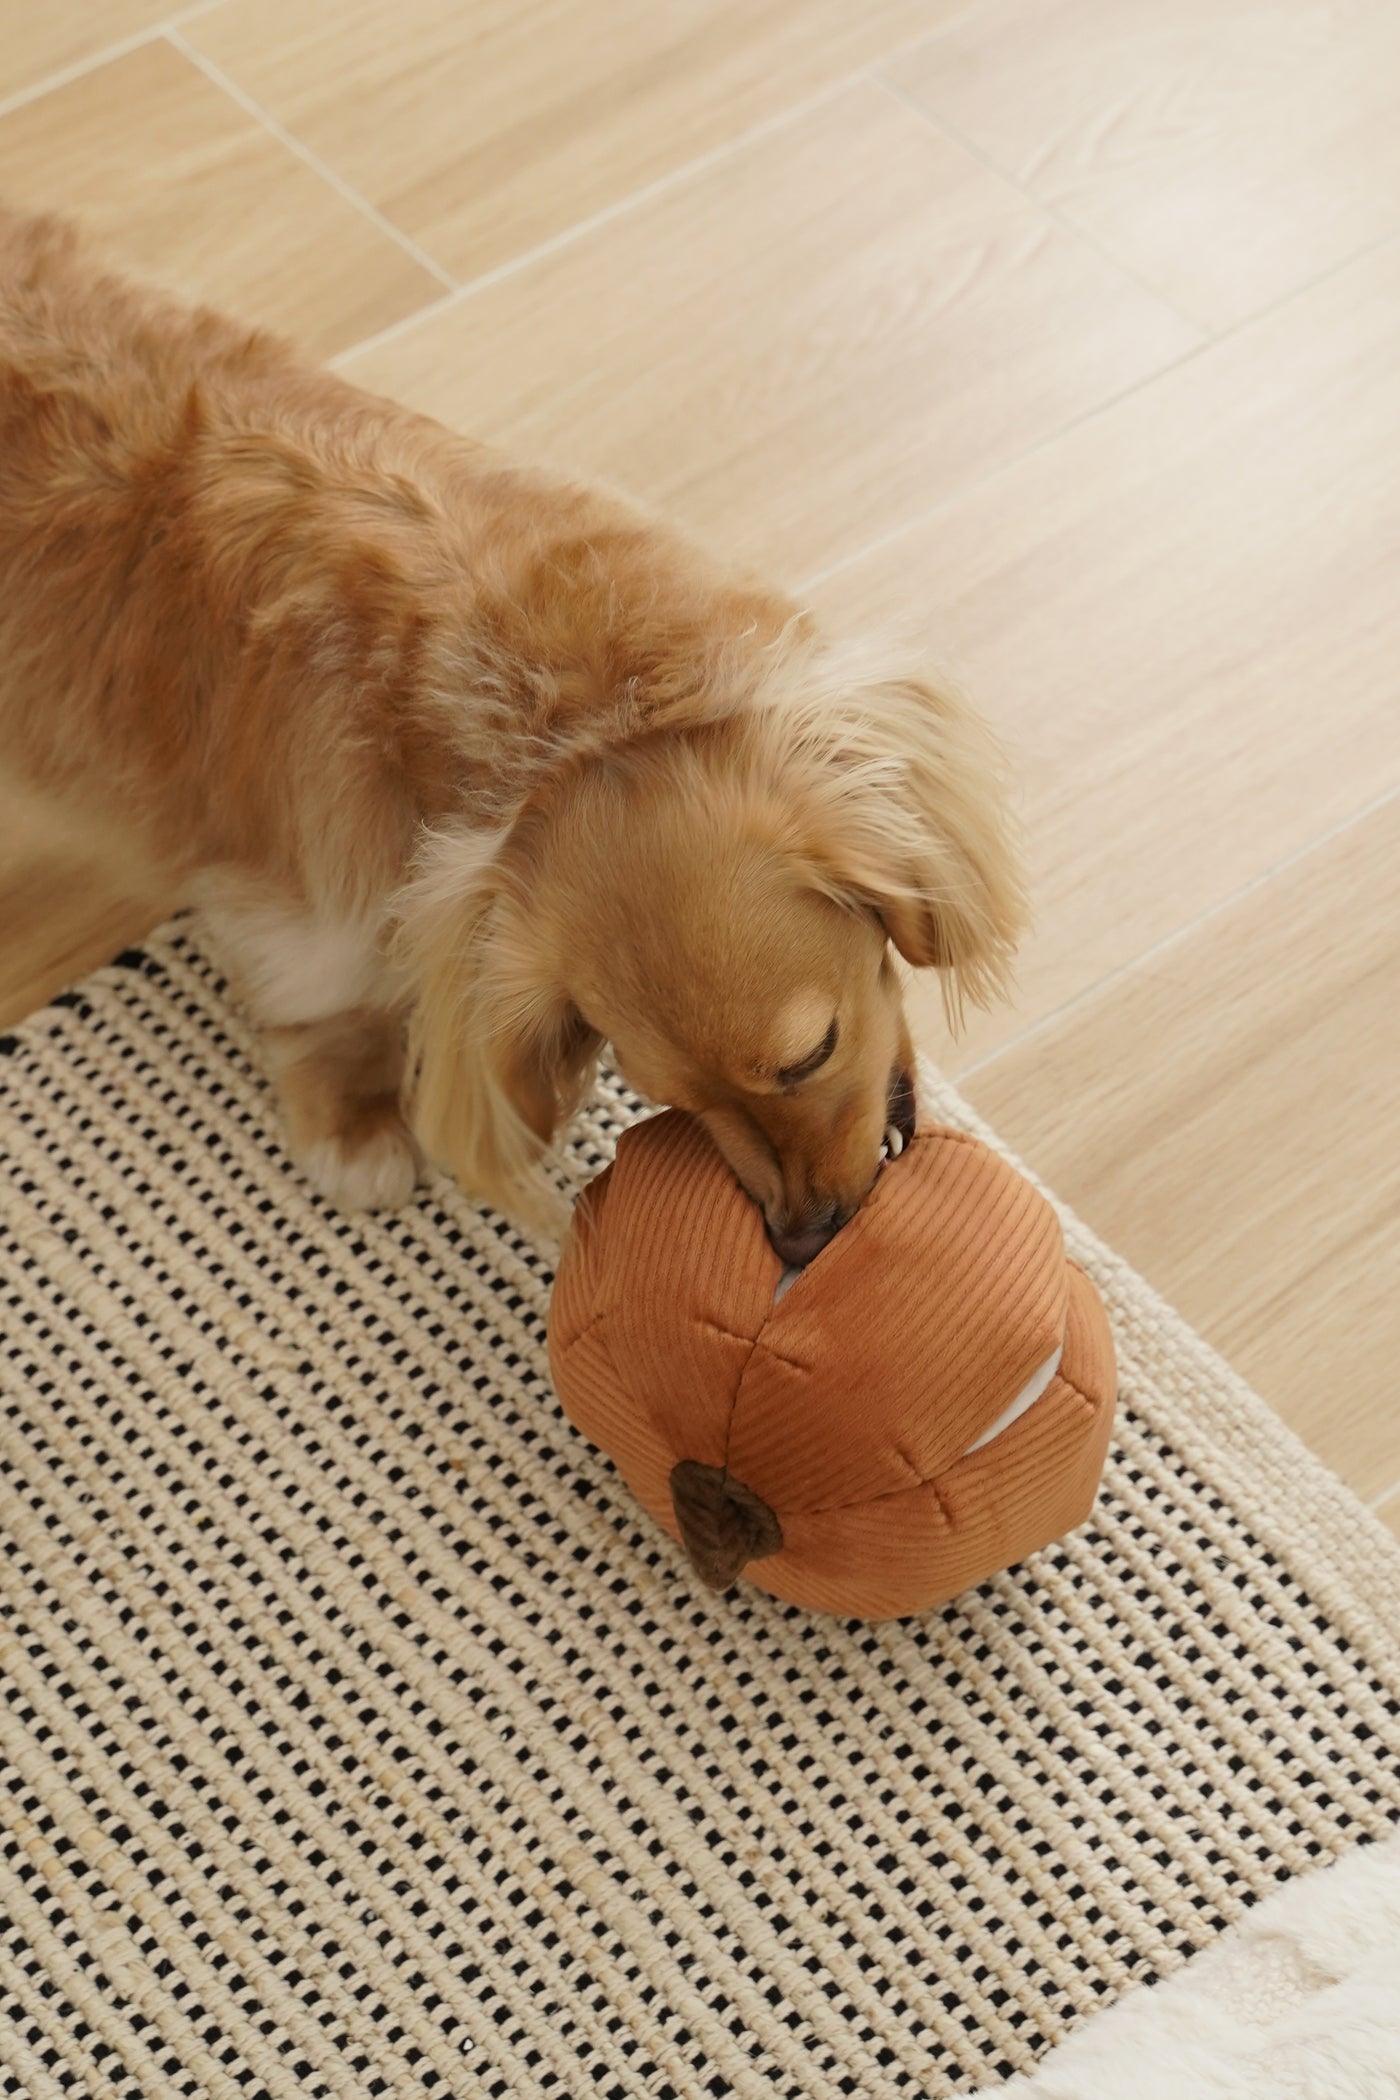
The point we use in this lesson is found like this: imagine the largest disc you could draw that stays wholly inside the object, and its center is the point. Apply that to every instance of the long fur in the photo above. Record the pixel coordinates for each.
(347, 680)
(496, 1065)
(901, 790)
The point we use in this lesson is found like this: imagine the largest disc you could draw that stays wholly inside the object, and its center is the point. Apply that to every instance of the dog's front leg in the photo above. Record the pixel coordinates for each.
(339, 1080)
(333, 1042)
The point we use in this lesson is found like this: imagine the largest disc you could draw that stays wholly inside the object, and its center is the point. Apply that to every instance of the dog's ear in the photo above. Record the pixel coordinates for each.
(912, 821)
(498, 1059)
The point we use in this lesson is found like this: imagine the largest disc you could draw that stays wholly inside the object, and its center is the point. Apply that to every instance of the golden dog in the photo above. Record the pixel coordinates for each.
(471, 770)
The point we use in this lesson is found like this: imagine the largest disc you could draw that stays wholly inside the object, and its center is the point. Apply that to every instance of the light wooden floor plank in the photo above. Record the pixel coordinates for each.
(185, 187)
(1225, 1115)
(62, 911)
(485, 131)
(797, 348)
(48, 38)
(1184, 616)
(62, 919)
(1227, 151)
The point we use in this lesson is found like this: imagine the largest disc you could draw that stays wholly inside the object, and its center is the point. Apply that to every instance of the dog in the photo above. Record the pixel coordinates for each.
(471, 771)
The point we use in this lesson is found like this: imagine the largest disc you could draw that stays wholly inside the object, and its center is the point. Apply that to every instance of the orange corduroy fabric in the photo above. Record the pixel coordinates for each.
(849, 1406)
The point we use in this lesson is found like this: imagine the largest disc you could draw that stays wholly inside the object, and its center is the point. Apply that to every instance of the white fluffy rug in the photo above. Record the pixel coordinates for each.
(1299, 2001)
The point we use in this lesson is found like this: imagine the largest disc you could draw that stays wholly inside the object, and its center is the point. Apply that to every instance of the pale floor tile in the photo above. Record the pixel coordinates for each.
(482, 132)
(61, 917)
(181, 185)
(1184, 618)
(798, 347)
(40, 37)
(1226, 150)
(1225, 1115)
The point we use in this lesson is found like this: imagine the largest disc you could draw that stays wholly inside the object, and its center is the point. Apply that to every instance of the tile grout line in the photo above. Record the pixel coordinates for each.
(1209, 338)
(607, 213)
(1212, 332)
(958, 19)
(393, 329)
(1006, 466)
(64, 76)
(52, 83)
(1057, 217)
(288, 139)
(1207, 344)
(1390, 1494)
(871, 74)
(1089, 415)
(776, 121)
(1177, 935)
(1207, 341)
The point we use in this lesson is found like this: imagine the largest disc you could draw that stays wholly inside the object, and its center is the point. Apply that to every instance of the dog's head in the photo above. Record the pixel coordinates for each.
(719, 903)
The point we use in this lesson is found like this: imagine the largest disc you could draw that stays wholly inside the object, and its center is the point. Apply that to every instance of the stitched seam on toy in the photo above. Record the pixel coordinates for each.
(745, 1341)
(752, 1342)
(1085, 1399)
(755, 1345)
(749, 1342)
(586, 1329)
(828, 1509)
(793, 1363)
(1058, 1382)
(734, 1400)
(916, 1478)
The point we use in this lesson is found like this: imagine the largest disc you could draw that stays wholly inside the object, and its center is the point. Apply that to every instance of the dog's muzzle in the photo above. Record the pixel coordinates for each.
(803, 1240)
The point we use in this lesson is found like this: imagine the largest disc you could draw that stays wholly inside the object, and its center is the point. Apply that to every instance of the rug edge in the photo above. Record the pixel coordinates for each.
(1318, 1526)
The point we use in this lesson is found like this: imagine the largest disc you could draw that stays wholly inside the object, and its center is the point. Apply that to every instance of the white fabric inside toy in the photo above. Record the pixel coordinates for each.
(1039, 1382)
(1035, 1386)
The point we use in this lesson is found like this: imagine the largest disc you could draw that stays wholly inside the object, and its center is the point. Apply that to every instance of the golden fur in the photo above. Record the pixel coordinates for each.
(470, 769)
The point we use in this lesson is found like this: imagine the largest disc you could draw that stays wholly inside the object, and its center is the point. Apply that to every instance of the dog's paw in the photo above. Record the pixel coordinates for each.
(375, 1170)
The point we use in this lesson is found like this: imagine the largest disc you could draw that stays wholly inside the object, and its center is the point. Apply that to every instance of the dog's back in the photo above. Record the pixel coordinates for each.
(433, 737)
(234, 588)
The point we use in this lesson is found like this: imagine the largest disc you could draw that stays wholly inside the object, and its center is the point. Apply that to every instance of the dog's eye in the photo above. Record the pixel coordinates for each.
(788, 1075)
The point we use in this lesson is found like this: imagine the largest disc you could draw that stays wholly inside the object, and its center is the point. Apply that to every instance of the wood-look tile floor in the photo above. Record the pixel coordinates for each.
(1064, 338)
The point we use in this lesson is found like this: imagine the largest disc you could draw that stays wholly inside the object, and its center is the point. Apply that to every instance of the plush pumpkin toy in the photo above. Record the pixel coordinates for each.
(925, 1403)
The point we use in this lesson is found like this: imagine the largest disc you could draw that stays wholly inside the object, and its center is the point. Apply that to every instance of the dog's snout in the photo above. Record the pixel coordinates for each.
(801, 1230)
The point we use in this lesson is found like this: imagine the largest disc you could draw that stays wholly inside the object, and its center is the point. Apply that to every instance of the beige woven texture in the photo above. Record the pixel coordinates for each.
(359, 1735)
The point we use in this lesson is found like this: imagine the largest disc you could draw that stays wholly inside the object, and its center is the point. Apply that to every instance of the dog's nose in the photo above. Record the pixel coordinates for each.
(803, 1239)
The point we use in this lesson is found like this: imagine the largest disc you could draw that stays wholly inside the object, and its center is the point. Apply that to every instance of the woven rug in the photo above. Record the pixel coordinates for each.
(359, 1737)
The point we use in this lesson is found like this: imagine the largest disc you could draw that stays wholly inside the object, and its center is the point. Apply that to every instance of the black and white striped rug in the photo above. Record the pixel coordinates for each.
(358, 1737)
